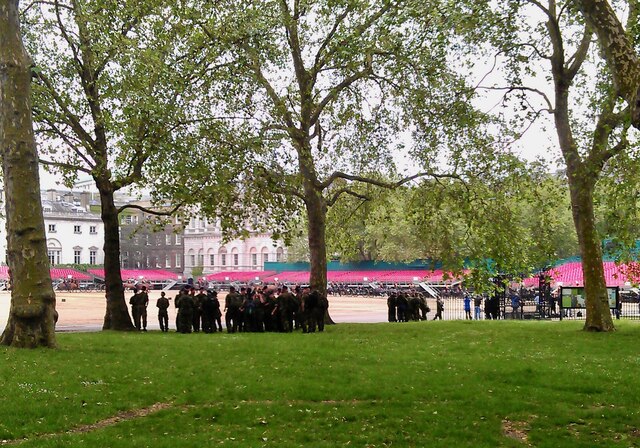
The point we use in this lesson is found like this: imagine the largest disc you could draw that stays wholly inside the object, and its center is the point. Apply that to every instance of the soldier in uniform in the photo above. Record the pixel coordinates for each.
(424, 308)
(185, 311)
(391, 306)
(439, 308)
(144, 303)
(208, 313)
(163, 314)
(133, 301)
(284, 311)
(414, 306)
(176, 304)
(403, 307)
(232, 310)
(310, 308)
(321, 310)
(198, 300)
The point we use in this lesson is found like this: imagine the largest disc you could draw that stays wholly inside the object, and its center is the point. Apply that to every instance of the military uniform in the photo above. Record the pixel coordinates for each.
(163, 314)
(185, 313)
(233, 301)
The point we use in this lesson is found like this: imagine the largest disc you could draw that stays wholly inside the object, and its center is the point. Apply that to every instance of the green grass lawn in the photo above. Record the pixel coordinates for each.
(448, 384)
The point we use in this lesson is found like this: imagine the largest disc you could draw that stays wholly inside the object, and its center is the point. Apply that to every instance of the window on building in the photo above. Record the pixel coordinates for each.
(147, 240)
(265, 258)
(236, 259)
(200, 259)
(223, 259)
(76, 256)
(92, 257)
(52, 228)
(254, 259)
(192, 258)
(212, 259)
(135, 219)
(167, 239)
(167, 261)
(178, 239)
(126, 219)
(93, 230)
(54, 256)
(178, 261)
(76, 229)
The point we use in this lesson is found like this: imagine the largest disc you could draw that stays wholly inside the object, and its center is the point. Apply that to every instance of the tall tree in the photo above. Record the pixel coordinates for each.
(107, 102)
(327, 90)
(562, 40)
(31, 316)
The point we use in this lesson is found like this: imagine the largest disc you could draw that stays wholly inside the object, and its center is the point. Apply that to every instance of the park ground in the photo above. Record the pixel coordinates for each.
(442, 384)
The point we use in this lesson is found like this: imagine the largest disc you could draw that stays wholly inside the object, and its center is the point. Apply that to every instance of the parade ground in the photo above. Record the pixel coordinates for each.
(84, 311)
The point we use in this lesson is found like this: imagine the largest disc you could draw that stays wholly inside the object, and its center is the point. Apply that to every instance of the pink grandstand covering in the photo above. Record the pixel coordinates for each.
(153, 275)
(570, 274)
(288, 277)
(56, 274)
(238, 276)
(65, 273)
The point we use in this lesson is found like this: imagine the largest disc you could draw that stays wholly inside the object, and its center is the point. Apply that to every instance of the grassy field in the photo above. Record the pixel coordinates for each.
(449, 384)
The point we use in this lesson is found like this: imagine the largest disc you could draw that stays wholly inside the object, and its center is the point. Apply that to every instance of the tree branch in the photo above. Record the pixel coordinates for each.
(67, 166)
(341, 191)
(71, 118)
(150, 211)
(510, 89)
(335, 91)
(580, 54)
(384, 184)
(618, 51)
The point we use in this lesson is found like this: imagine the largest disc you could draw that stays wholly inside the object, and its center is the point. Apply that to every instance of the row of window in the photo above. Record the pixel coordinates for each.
(235, 259)
(93, 230)
(55, 255)
(124, 260)
(148, 239)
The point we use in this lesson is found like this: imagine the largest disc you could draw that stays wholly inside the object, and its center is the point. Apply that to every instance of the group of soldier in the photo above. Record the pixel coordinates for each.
(405, 307)
(247, 310)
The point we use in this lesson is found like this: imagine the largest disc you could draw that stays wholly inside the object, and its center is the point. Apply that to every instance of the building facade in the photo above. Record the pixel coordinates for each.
(205, 249)
(148, 241)
(75, 234)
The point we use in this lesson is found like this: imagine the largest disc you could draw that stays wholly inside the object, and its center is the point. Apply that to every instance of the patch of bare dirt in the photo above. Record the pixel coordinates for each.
(119, 417)
(515, 430)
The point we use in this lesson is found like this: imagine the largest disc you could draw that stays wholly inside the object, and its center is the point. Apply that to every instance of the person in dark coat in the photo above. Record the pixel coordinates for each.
(163, 315)
(185, 312)
(232, 304)
(391, 307)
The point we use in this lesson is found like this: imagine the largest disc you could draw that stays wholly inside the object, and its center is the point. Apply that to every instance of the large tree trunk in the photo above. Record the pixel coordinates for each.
(32, 314)
(581, 177)
(317, 217)
(117, 314)
(598, 312)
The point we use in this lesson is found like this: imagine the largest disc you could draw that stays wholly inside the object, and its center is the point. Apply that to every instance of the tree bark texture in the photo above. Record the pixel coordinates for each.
(598, 313)
(117, 313)
(32, 314)
(581, 177)
(618, 51)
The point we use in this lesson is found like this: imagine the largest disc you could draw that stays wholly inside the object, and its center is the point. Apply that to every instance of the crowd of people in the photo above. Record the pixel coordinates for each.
(259, 309)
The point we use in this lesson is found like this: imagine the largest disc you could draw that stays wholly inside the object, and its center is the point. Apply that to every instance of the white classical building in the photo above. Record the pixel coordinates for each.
(204, 247)
(75, 235)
